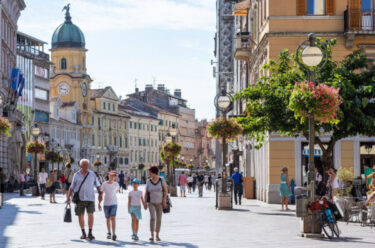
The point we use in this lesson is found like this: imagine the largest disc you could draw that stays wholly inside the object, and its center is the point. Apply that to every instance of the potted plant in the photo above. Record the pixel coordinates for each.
(5, 127)
(226, 129)
(319, 101)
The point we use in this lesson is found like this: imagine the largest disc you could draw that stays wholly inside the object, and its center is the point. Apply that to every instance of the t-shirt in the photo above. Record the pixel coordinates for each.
(121, 177)
(156, 190)
(87, 192)
(367, 172)
(182, 180)
(237, 178)
(190, 179)
(109, 190)
(43, 177)
(135, 198)
(200, 179)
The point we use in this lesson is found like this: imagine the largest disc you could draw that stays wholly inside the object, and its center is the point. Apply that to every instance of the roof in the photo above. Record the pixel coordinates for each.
(135, 112)
(68, 35)
(98, 93)
(159, 109)
(107, 113)
(31, 38)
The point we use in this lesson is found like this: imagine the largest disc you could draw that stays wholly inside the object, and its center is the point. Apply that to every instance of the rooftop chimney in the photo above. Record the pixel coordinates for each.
(149, 87)
(177, 93)
(161, 87)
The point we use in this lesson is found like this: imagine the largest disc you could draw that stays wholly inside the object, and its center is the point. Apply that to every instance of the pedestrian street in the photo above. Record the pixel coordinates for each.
(193, 222)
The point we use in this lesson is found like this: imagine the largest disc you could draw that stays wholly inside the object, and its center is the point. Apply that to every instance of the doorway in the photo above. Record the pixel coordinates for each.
(367, 15)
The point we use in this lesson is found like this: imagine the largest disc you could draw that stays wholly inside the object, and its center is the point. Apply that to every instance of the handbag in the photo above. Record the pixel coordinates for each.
(169, 202)
(68, 214)
(48, 183)
(76, 194)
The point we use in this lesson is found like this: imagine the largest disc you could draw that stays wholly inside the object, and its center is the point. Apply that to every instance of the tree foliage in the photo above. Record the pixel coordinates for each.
(267, 101)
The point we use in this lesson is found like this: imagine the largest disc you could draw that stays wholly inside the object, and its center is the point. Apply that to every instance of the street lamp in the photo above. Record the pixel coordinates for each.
(172, 134)
(35, 132)
(223, 103)
(311, 56)
(58, 149)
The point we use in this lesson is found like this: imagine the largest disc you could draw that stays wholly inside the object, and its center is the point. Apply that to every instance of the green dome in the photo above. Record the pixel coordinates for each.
(68, 35)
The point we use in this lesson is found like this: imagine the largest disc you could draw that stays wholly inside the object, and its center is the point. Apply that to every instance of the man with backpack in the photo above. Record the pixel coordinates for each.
(82, 191)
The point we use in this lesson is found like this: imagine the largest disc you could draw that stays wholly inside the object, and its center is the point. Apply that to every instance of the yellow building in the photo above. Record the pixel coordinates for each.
(69, 79)
(110, 128)
(263, 29)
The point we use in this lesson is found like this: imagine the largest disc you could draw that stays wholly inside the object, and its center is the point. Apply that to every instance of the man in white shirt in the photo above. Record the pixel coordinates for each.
(42, 180)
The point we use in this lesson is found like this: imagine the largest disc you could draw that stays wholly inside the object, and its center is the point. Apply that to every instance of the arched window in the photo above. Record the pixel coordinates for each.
(63, 64)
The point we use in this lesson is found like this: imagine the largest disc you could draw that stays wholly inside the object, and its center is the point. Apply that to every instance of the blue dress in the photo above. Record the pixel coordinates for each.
(284, 189)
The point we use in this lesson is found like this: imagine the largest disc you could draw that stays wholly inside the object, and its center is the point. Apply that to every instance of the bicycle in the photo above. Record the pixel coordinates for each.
(326, 219)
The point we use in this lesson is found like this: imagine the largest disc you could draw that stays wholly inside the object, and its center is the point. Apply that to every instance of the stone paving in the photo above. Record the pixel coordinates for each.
(193, 222)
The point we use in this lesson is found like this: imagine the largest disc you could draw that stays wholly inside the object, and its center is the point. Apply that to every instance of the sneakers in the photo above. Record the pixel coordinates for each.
(114, 237)
(133, 236)
(136, 237)
(83, 236)
(108, 235)
(90, 237)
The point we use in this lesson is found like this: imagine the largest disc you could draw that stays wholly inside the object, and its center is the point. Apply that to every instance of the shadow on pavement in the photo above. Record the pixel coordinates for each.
(173, 244)
(276, 214)
(7, 216)
(138, 243)
(240, 210)
(348, 239)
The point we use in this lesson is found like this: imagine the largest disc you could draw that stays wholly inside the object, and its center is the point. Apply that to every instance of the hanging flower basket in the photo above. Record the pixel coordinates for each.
(4, 127)
(171, 149)
(227, 129)
(207, 167)
(59, 158)
(190, 167)
(36, 147)
(319, 101)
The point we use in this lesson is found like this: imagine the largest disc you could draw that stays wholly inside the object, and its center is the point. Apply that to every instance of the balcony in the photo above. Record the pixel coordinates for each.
(243, 47)
(358, 22)
(112, 149)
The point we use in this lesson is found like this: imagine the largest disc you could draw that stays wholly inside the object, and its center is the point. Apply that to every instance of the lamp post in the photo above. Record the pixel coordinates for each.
(172, 131)
(58, 149)
(311, 56)
(35, 132)
(223, 103)
(46, 140)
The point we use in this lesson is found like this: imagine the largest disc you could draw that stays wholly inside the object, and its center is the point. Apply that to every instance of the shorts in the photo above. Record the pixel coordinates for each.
(136, 210)
(122, 185)
(110, 211)
(182, 187)
(2, 188)
(67, 186)
(190, 185)
(82, 205)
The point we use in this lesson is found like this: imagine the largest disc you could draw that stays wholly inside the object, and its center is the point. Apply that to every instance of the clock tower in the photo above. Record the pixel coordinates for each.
(69, 79)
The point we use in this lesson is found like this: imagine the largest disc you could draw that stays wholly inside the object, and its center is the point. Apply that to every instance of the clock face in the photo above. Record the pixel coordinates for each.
(84, 89)
(63, 89)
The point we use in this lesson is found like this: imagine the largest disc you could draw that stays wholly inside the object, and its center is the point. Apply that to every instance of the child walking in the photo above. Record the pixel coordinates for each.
(110, 188)
(134, 207)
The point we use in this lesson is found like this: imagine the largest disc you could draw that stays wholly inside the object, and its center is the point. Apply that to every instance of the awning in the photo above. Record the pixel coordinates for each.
(241, 8)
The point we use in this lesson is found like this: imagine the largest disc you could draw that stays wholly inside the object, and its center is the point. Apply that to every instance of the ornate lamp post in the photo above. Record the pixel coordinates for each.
(311, 56)
(172, 131)
(58, 149)
(35, 132)
(223, 103)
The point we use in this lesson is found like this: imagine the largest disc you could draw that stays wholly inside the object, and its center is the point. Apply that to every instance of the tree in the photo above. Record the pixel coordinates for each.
(267, 102)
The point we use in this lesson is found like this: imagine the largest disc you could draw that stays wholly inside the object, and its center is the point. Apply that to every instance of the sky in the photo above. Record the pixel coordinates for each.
(137, 42)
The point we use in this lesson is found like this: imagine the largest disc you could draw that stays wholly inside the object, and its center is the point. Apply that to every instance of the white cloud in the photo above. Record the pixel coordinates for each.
(136, 14)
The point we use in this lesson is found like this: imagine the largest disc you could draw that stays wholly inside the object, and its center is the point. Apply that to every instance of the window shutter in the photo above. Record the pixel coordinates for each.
(355, 16)
(301, 7)
(330, 7)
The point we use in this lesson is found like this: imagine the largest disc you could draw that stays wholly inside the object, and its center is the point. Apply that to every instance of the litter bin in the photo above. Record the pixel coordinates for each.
(302, 202)
(248, 185)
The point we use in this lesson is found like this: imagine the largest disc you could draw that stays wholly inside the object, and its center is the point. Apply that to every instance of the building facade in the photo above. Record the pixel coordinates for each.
(12, 149)
(187, 131)
(265, 28)
(110, 133)
(143, 141)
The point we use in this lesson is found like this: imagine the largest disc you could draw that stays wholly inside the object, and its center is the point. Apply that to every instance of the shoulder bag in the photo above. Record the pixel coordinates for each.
(169, 202)
(76, 194)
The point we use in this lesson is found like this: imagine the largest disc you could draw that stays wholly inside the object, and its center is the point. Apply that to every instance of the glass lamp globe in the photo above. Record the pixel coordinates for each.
(173, 132)
(224, 102)
(168, 139)
(58, 148)
(35, 131)
(312, 55)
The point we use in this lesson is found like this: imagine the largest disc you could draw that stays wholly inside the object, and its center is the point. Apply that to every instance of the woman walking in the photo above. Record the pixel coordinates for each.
(190, 183)
(53, 187)
(333, 183)
(156, 196)
(285, 191)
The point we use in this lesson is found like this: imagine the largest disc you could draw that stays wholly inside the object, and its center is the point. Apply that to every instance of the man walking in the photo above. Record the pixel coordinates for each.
(2, 187)
(22, 183)
(83, 183)
(42, 180)
(121, 178)
(200, 181)
(238, 189)
(182, 182)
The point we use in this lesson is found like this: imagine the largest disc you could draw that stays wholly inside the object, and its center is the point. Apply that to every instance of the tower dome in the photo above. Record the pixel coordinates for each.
(68, 35)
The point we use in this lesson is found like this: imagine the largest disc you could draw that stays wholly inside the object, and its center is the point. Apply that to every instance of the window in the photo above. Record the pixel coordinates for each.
(41, 94)
(103, 105)
(126, 142)
(140, 142)
(104, 123)
(121, 160)
(315, 7)
(93, 140)
(99, 121)
(131, 156)
(126, 161)
(161, 122)
(119, 124)
(131, 124)
(124, 124)
(92, 120)
(113, 107)
(115, 141)
(144, 142)
(109, 106)
(105, 160)
(63, 64)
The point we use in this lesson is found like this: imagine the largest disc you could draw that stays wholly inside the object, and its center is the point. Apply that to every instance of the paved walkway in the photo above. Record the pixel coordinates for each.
(193, 222)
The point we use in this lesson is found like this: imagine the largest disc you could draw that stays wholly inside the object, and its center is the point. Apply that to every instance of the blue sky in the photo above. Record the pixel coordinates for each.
(139, 40)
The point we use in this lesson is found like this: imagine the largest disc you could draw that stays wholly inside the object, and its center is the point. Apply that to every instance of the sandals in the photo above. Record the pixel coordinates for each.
(158, 239)
(151, 239)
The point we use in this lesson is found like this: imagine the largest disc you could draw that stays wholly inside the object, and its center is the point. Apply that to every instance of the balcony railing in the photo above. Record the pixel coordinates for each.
(358, 20)
(32, 52)
(243, 46)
